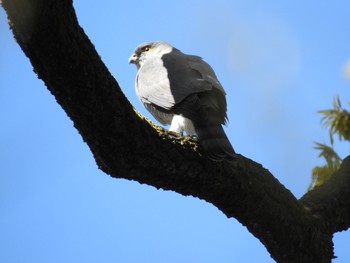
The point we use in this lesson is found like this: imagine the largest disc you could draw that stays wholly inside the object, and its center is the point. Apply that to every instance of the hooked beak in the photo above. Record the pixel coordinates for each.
(133, 58)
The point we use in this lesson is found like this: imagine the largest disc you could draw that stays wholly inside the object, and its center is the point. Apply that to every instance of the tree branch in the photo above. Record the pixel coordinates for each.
(125, 145)
(331, 200)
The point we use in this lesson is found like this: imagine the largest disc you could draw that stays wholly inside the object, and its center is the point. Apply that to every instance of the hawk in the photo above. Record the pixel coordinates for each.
(183, 91)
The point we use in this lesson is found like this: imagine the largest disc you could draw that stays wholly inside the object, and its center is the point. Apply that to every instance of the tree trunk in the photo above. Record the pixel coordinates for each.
(126, 145)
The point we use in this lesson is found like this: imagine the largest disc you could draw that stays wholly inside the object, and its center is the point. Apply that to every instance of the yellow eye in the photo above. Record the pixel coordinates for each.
(146, 49)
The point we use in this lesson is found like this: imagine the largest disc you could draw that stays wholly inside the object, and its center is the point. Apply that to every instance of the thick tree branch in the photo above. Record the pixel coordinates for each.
(331, 200)
(127, 146)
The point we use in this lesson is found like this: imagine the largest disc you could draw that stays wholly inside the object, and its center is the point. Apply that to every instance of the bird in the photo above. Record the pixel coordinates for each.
(184, 92)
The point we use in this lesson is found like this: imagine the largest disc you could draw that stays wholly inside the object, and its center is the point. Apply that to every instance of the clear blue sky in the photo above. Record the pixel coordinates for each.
(279, 61)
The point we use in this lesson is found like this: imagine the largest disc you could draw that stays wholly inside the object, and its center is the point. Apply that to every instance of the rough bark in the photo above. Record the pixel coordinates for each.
(125, 145)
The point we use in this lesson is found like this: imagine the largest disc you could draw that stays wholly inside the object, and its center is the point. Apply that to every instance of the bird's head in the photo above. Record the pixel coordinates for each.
(147, 50)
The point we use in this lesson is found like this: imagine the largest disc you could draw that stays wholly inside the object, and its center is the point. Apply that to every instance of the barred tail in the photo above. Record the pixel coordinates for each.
(215, 142)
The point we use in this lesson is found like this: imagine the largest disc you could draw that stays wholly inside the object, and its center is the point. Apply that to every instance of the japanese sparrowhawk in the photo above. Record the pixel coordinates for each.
(183, 91)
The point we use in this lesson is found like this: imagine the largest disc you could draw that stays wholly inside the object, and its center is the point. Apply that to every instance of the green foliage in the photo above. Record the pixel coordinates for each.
(321, 173)
(337, 120)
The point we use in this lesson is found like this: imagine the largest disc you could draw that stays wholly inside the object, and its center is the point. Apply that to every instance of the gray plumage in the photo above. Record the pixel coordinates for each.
(183, 90)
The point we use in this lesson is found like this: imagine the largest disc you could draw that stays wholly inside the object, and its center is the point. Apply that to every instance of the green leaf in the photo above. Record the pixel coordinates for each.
(337, 121)
(321, 173)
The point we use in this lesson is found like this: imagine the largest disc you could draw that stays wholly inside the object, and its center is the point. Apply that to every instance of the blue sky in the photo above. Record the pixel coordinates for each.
(279, 61)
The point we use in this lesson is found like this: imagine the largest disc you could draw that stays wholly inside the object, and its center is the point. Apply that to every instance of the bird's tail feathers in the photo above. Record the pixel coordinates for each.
(215, 142)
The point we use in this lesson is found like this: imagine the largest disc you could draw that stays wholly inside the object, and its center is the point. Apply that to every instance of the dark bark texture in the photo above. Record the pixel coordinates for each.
(126, 145)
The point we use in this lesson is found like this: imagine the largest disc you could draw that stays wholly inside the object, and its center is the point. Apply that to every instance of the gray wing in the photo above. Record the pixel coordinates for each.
(214, 99)
(206, 71)
(200, 95)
